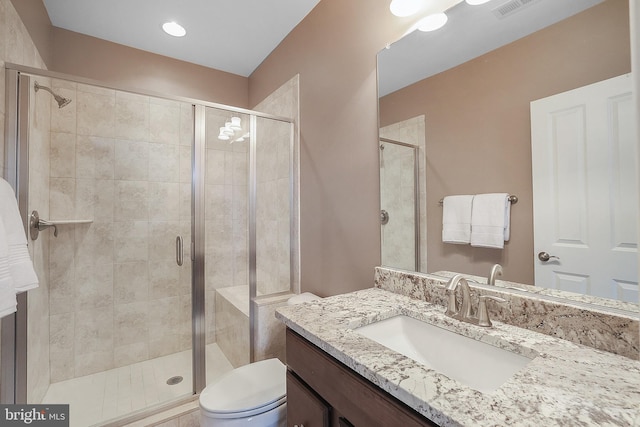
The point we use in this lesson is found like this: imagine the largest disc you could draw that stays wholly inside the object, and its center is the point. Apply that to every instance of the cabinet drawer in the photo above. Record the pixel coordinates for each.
(304, 407)
(360, 402)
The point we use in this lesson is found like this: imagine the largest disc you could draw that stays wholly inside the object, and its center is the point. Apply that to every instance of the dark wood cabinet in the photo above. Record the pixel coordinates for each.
(328, 393)
(304, 406)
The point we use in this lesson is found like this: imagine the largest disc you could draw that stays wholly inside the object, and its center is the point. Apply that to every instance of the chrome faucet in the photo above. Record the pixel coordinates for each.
(464, 312)
(452, 306)
(496, 270)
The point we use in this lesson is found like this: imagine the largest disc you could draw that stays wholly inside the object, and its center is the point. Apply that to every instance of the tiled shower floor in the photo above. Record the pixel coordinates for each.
(96, 398)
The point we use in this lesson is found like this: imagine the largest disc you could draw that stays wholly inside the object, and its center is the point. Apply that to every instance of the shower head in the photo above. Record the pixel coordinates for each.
(59, 99)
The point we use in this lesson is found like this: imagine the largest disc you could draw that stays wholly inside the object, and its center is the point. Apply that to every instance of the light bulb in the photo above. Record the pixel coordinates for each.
(405, 7)
(476, 2)
(433, 22)
(235, 123)
(223, 135)
(227, 129)
(174, 29)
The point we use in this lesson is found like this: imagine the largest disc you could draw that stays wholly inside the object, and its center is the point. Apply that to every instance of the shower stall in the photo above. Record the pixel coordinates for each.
(165, 235)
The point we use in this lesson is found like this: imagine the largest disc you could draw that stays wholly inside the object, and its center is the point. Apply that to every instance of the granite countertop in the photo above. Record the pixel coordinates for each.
(566, 384)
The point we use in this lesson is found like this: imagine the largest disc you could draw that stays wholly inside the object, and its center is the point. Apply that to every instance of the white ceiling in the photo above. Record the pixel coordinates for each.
(228, 35)
(471, 31)
(237, 35)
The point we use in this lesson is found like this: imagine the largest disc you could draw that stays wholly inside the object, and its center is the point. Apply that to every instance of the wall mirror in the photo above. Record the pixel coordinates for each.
(462, 95)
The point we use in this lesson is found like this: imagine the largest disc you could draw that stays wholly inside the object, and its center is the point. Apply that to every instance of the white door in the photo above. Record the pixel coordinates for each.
(585, 191)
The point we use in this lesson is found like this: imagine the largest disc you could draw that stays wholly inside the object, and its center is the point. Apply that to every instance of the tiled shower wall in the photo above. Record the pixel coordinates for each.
(17, 47)
(273, 267)
(273, 214)
(410, 131)
(117, 295)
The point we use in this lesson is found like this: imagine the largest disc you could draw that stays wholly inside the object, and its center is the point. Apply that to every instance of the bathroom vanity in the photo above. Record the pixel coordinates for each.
(343, 378)
(323, 392)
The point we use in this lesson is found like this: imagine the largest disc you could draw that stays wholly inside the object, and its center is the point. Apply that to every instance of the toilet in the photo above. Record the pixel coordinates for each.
(253, 395)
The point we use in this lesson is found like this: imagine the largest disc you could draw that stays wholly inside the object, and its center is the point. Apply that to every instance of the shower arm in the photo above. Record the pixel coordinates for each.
(62, 101)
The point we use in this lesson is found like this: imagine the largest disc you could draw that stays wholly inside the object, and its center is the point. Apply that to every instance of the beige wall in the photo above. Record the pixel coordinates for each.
(478, 131)
(334, 51)
(119, 65)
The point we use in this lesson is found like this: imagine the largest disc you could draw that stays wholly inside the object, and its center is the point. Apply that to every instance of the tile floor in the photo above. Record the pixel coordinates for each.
(96, 398)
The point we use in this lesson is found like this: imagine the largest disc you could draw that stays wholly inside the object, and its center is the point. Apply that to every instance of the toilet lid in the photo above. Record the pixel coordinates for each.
(246, 388)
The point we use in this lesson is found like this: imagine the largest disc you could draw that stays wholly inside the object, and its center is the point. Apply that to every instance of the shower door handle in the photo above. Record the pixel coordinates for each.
(179, 251)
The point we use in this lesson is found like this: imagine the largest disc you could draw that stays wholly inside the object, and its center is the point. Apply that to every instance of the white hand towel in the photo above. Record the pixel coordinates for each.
(7, 290)
(490, 218)
(456, 219)
(22, 273)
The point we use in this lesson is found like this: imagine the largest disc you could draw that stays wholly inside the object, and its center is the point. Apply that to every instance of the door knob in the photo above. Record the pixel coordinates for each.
(544, 257)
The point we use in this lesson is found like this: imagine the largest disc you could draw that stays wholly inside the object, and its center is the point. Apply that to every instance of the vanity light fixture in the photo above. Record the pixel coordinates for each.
(404, 8)
(174, 29)
(223, 135)
(228, 131)
(432, 22)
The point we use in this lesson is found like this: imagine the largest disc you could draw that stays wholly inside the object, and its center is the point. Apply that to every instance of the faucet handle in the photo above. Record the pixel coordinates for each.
(483, 314)
(452, 305)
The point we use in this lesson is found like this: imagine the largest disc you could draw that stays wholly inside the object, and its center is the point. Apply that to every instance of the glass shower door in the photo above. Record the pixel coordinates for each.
(112, 316)
(399, 205)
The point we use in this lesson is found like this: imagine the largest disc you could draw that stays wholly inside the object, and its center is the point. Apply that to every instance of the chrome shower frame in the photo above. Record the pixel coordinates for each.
(13, 367)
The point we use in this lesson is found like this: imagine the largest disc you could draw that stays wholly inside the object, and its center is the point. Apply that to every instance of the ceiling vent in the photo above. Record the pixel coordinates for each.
(511, 7)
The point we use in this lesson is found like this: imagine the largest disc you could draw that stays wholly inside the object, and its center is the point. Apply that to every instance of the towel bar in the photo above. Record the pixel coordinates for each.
(36, 224)
(513, 199)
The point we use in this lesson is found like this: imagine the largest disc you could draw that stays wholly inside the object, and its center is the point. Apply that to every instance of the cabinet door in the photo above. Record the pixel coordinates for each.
(304, 407)
(351, 397)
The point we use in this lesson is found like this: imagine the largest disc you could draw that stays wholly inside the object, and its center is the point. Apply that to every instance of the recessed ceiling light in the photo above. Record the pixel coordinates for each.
(174, 29)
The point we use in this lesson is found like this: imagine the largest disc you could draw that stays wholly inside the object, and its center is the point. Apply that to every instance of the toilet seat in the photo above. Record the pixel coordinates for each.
(251, 389)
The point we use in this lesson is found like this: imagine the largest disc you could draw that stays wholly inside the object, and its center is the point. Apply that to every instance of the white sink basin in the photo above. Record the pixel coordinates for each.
(475, 364)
